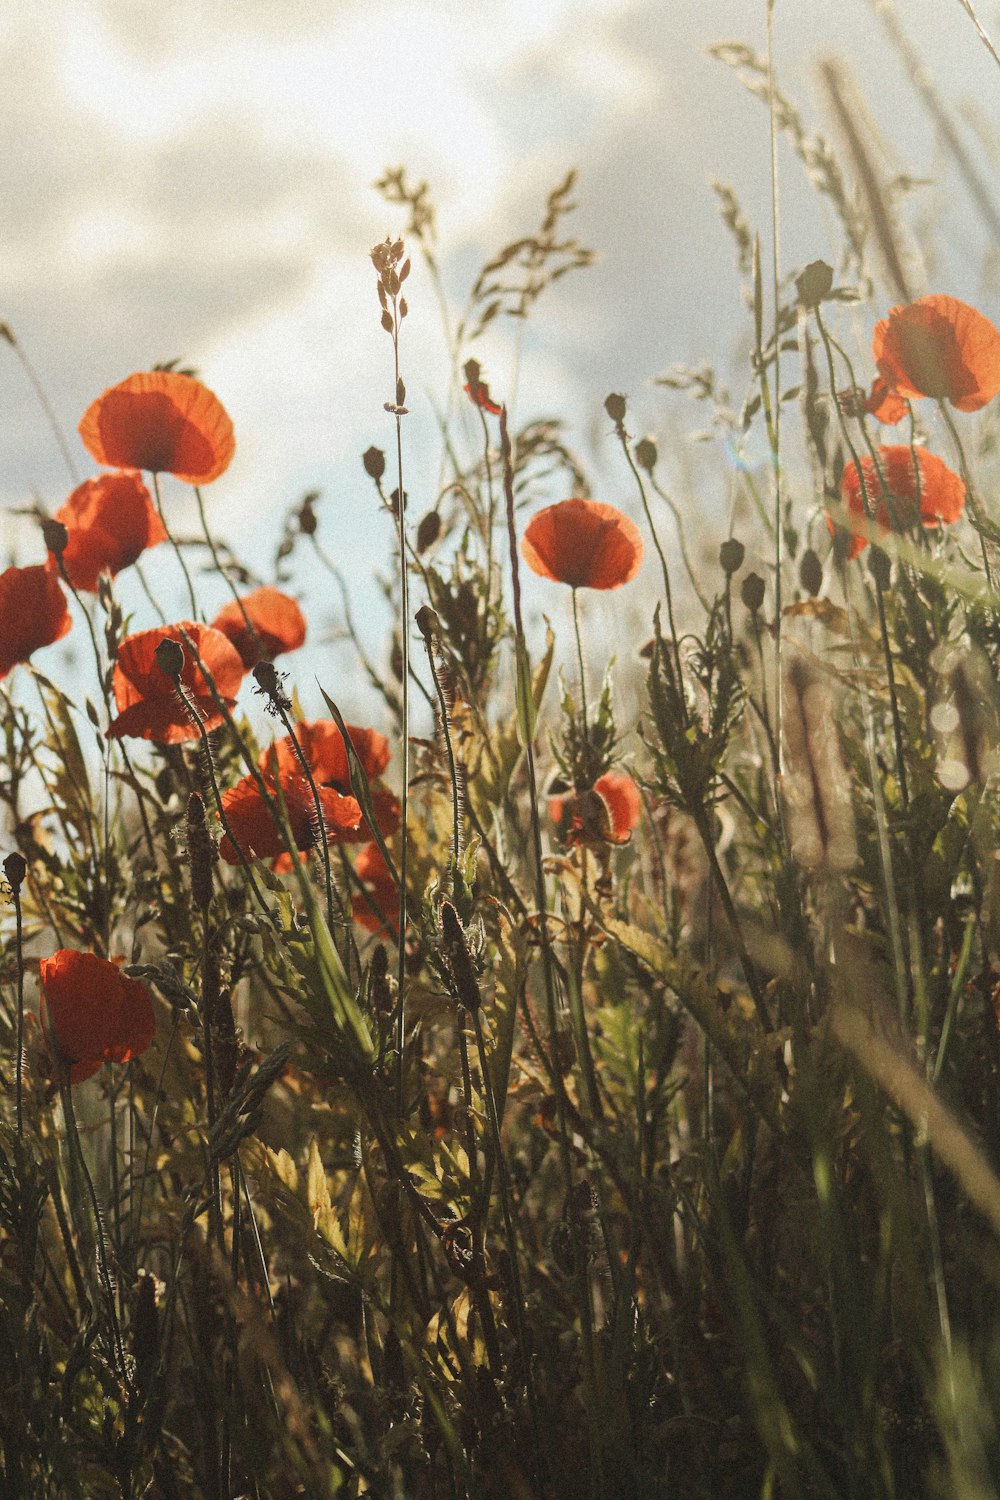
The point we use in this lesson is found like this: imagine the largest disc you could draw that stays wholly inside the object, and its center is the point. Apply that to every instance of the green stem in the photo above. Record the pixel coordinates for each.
(177, 551)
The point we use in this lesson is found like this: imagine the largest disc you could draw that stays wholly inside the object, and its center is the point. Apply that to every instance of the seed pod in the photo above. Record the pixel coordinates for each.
(752, 592)
(731, 555)
(429, 530)
(170, 657)
(374, 462)
(811, 572)
(615, 408)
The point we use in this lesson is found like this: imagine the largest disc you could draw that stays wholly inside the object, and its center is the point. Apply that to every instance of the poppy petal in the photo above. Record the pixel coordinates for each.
(276, 625)
(111, 520)
(940, 347)
(33, 614)
(583, 543)
(162, 421)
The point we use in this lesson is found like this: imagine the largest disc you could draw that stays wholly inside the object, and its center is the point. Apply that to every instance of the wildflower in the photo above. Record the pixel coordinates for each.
(882, 403)
(892, 499)
(379, 906)
(257, 830)
(33, 614)
(477, 390)
(162, 421)
(149, 707)
(277, 625)
(322, 746)
(110, 521)
(939, 347)
(605, 814)
(582, 543)
(94, 1013)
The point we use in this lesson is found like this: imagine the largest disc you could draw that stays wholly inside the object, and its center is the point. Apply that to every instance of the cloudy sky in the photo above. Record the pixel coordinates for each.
(194, 181)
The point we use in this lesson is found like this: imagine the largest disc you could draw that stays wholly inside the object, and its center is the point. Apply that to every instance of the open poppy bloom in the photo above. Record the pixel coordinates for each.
(606, 814)
(33, 614)
(583, 543)
(257, 830)
(276, 624)
(111, 521)
(892, 500)
(162, 421)
(380, 907)
(149, 707)
(939, 347)
(93, 1012)
(322, 745)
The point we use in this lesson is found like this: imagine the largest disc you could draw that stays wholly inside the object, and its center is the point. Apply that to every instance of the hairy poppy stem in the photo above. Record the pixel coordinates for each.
(583, 672)
(890, 672)
(617, 415)
(104, 1274)
(427, 624)
(289, 728)
(206, 744)
(15, 868)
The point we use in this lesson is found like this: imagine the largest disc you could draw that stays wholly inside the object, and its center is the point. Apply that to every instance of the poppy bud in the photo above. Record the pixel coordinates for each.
(811, 572)
(645, 454)
(615, 408)
(427, 622)
(815, 283)
(374, 462)
(731, 555)
(15, 867)
(55, 536)
(378, 981)
(429, 530)
(307, 515)
(880, 567)
(752, 592)
(169, 657)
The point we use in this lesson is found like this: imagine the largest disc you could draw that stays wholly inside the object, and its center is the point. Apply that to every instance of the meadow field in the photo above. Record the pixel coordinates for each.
(556, 1053)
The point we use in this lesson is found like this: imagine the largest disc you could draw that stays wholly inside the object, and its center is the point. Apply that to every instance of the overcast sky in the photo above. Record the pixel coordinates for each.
(195, 181)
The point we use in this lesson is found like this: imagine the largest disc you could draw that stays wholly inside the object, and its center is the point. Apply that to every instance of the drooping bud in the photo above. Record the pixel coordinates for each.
(15, 867)
(55, 536)
(374, 462)
(731, 555)
(752, 592)
(614, 405)
(170, 657)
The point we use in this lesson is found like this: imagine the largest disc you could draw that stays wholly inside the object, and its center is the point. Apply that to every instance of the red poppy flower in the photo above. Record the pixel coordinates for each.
(939, 347)
(584, 544)
(257, 830)
(148, 705)
(33, 614)
(111, 521)
(606, 814)
(942, 493)
(161, 421)
(380, 907)
(278, 625)
(322, 744)
(94, 1013)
